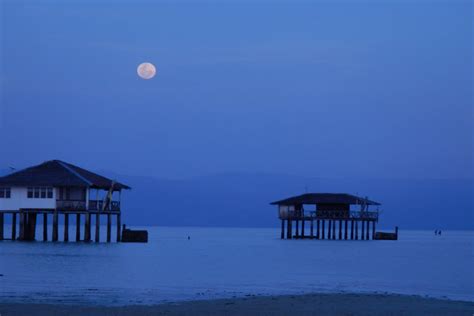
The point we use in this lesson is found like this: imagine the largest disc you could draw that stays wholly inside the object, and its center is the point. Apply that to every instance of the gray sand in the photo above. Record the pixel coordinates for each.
(314, 304)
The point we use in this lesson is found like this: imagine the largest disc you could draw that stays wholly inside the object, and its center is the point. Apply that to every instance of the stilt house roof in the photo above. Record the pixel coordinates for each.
(325, 198)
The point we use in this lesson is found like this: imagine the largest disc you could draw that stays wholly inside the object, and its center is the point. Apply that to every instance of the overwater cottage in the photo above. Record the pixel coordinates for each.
(342, 213)
(56, 188)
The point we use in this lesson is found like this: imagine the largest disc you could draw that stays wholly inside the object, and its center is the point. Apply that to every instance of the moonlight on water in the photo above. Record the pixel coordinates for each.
(146, 70)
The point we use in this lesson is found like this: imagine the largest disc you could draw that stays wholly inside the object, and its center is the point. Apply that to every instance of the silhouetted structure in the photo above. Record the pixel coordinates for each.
(343, 213)
(58, 188)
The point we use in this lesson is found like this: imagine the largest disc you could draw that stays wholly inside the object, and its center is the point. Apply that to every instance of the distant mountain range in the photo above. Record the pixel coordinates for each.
(242, 200)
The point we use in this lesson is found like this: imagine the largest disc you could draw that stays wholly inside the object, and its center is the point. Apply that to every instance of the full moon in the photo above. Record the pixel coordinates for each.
(146, 70)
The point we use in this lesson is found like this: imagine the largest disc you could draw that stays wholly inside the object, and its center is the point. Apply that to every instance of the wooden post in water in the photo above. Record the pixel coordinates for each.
(311, 229)
(55, 225)
(119, 236)
(22, 226)
(352, 229)
(373, 230)
(288, 229)
(87, 227)
(302, 228)
(282, 235)
(13, 226)
(334, 229)
(109, 227)
(297, 230)
(66, 227)
(329, 229)
(363, 230)
(78, 227)
(317, 229)
(32, 226)
(367, 234)
(322, 230)
(357, 230)
(345, 229)
(45, 226)
(2, 220)
(97, 227)
(340, 229)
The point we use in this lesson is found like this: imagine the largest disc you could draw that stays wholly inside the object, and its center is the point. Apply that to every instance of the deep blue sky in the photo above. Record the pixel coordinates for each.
(343, 89)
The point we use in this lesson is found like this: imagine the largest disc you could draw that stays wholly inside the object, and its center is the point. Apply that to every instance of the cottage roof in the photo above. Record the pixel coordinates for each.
(59, 173)
(325, 198)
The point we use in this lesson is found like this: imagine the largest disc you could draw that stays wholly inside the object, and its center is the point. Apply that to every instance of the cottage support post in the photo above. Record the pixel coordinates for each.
(13, 225)
(2, 220)
(297, 229)
(288, 229)
(322, 229)
(345, 229)
(367, 232)
(340, 229)
(55, 226)
(97, 227)
(334, 229)
(78, 227)
(329, 229)
(311, 229)
(352, 229)
(109, 227)
(45, 226)
(317, 229)
(363, 230)
(87, 227)
(282, 234)
(32, 226)
(66, 227)
(22, 226)
(119, 235)
(302, 228)
(356, 230)
(373, 230)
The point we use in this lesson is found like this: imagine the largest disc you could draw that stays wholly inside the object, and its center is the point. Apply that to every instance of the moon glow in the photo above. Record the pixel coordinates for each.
(146, 70)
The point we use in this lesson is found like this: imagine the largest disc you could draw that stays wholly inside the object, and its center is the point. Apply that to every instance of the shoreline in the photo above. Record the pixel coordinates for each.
(305, 304)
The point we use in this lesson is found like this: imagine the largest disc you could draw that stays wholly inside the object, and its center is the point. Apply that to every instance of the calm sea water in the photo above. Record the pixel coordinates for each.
(228, 262)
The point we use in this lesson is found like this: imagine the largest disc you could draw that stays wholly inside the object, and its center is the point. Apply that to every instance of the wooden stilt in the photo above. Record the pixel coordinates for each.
(363, 230)
(109, 227)
(282, 235)
(352, 229)
(66, 227)
(311, 229)
(2, 220)
(297, 230)
(32, 226)
(97, 227)
(288, 229)
(322, 230)
(356, 230)
(55, 225)
(119, 236)
(367, 232)
(317, 229)
(22, 226)
(334, 229)
(45, 226)
(345, 229)
(302, 228)
(340, 229)
(87, 228)
(329, 229)
(373, 230)
(78, 227)
(13, 226)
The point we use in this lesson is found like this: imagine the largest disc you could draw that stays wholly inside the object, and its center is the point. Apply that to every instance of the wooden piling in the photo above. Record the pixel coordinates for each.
(22, 226)
(363, 230)
(356, 230)
(329, 229)
(13, 226)
(55, 226)
(297, 229)
(78, 227)
(87, 227)
(282, 235)
(2, 220)
(317, 229)
(119, 235)
(97, 227)
(302, 228)
(345, 229)
(367, 234)
(340, 229)
(32, 226)
(373, 230)
(334, 229)
(311, 229)
(66, 227)
(322, 230)
(288, 229)
(45, 226)
(109, 227)
(352, 229)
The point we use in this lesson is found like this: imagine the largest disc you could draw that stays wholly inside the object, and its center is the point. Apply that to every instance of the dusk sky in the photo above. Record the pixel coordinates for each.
(348, 89)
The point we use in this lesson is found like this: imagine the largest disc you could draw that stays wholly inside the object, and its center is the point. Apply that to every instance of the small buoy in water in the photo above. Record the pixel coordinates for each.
(189, 238)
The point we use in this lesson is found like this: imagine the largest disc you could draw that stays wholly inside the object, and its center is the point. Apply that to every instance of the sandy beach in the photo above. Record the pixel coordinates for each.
(312, 304)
